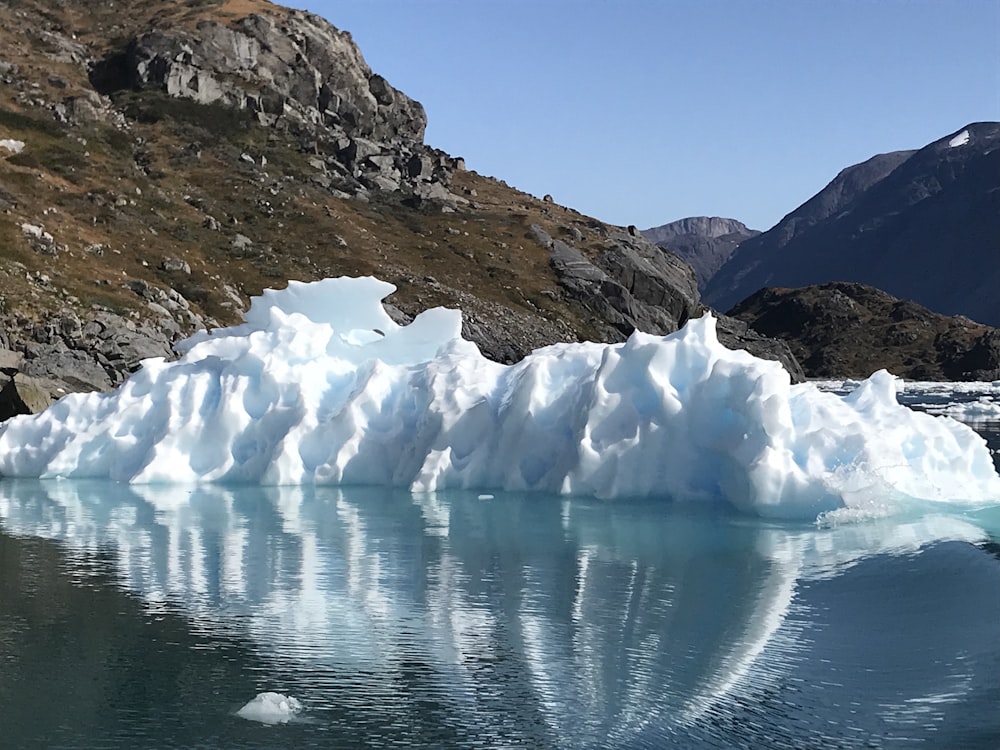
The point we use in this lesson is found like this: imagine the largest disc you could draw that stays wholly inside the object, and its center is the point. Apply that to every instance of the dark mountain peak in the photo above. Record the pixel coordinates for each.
(979, 135)
(923, 225)
(838, 195)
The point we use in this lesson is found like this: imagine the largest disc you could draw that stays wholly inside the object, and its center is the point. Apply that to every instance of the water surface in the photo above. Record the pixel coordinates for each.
(147, 616)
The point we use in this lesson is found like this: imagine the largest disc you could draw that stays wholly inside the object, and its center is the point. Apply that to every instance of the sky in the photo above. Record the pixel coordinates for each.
(647, 111)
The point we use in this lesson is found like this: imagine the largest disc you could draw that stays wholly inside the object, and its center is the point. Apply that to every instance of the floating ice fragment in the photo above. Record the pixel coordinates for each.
(271, 708)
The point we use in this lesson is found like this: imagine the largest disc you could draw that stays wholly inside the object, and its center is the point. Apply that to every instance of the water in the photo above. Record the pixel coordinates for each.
(146, 617)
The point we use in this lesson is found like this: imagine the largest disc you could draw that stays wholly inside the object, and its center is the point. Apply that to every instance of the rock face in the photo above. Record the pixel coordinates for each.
(737, 334)
(923, 225)
(706, 242)
(634, 285)
(66, 355)
(851, 330)
(311, 74)
(295, 68)
(293, 71)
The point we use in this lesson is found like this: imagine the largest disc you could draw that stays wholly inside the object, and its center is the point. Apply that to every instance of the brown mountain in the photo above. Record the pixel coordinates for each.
(160, 162)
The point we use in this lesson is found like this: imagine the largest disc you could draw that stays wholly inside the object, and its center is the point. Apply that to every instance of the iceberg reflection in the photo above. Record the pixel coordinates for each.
(618, 621)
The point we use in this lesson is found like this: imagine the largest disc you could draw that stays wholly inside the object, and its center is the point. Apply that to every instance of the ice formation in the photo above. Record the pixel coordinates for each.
(271, 708)
(320, 386)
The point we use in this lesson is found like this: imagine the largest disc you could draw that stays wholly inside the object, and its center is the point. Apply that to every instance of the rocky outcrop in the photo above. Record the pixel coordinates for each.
(922, 225)
(69, 353)
(706, 242)
(295, 71)
(847, 330)
(295, 68)
(631, 285)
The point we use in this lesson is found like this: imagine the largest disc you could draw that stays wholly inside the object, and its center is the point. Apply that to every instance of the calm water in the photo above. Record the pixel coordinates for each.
(147, 617)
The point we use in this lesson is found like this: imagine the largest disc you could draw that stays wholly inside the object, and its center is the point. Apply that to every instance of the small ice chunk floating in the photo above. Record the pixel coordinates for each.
(271, 708)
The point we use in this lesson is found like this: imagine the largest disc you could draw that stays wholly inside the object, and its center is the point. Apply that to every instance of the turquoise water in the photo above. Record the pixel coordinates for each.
(146, 617)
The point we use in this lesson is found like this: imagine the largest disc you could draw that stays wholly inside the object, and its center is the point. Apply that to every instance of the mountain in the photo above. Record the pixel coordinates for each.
(845, 329)
(706, 242)
(922, 225)
(162, 162)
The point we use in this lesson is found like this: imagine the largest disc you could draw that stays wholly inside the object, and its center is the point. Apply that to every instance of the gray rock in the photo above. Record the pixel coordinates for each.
(21, 394)
(663, 285)
(437, 192)
(10, 361)
(632, 286)
(175, 265)
(56, 362)
(635, 285)
(241, 242)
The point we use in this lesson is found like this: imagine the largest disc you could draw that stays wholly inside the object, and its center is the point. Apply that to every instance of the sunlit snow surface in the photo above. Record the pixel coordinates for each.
(959, 140)
(320, 386)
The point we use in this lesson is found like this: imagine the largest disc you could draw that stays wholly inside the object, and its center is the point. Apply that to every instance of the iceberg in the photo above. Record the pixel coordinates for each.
(271, 708)
(320, 386)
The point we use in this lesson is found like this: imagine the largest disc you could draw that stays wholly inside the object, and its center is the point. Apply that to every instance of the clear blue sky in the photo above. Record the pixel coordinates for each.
(643, 112)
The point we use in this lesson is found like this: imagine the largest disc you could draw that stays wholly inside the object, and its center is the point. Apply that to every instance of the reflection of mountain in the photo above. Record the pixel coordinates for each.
(540, 620)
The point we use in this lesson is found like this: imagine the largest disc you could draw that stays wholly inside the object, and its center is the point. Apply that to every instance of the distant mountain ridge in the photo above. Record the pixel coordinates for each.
(706, 242)
(921, 225)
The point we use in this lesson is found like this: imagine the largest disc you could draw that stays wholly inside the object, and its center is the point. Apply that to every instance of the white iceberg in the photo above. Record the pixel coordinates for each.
(320, 386)
(271, 708)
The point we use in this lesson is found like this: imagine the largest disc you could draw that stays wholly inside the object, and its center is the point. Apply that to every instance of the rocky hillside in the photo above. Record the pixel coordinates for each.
(160, 162)
(850, 330)
(923, 225)
(706, 242)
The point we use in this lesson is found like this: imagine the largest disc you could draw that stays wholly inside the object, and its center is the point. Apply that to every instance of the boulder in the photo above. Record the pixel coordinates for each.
(10, 361)
(175, 265)
(22, 394)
